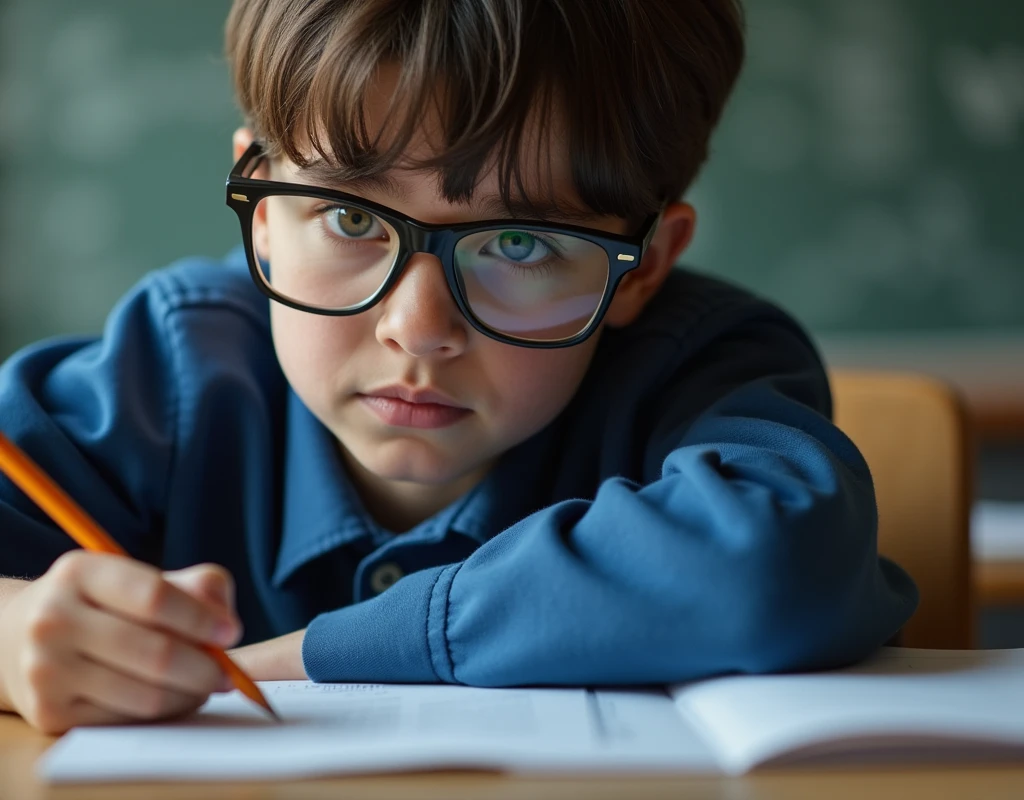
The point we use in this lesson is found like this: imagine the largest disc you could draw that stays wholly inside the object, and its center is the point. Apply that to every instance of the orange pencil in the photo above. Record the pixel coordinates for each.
(31, 479)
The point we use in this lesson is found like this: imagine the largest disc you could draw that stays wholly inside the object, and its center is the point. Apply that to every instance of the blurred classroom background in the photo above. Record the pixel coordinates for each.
(868, 176)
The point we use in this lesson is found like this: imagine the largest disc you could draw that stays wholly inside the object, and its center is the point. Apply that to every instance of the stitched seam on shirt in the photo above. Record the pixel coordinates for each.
(173, 411)
(447, 616)
(179, 295)
(173, 300)
(430, 647)
(189, 303)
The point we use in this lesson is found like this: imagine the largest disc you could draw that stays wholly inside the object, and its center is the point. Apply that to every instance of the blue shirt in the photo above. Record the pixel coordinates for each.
(692, 511)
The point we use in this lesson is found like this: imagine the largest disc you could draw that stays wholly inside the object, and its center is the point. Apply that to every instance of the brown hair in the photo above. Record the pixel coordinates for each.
(637, 86)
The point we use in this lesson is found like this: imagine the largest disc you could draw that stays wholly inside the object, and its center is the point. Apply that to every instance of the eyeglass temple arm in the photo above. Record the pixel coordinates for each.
(248, 162)
(651, 226)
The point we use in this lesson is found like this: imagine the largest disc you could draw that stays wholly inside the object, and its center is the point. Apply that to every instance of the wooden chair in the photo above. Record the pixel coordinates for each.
(912, 431)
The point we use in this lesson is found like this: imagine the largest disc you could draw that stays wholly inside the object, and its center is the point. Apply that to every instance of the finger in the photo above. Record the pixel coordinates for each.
(74, 713)
(51, 705)
(83, 713)
(153, 656)
(138, 591)
(122, 695)
(209, 582)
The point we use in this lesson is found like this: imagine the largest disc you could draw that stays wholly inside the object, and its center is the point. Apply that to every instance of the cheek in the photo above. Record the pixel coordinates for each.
(312, 349)
(535, 385)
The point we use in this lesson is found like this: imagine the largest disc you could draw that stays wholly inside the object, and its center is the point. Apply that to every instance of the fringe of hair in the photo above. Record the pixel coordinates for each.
(631, 88)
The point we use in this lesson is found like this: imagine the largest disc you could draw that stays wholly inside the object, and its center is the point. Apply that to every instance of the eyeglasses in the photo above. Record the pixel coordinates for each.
(522, 282)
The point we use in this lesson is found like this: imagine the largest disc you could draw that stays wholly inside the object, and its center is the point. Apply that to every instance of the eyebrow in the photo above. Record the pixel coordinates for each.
(321, 173)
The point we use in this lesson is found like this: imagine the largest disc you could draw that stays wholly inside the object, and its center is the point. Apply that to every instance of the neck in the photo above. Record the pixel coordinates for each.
(399, 506)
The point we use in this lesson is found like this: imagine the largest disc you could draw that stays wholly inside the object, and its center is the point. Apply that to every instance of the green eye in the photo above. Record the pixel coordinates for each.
(351, 221)
(517, 245)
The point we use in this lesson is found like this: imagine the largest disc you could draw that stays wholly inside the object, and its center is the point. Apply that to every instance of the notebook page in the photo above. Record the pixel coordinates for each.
(339, 728)
(901, 697)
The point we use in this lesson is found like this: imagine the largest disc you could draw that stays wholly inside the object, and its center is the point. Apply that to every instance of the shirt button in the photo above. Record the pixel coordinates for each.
(384, 577)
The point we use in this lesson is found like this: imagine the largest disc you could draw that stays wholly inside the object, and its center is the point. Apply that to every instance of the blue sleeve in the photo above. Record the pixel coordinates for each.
(123, 421)
(751, 549)
(98, 415)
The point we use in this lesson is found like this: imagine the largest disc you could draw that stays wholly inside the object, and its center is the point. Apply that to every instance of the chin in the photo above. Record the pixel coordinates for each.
(413, 463)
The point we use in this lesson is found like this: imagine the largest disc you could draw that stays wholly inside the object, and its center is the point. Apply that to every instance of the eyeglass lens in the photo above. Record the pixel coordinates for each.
(520, 282)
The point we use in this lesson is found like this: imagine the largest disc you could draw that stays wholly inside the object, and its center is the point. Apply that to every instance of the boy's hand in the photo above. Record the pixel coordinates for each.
(104, 639)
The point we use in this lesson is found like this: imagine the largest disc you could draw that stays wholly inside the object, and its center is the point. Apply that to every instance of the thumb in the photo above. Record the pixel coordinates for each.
(209, 582)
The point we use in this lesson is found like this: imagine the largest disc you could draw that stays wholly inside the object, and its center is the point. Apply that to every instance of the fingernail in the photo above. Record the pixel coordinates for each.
(225, 684)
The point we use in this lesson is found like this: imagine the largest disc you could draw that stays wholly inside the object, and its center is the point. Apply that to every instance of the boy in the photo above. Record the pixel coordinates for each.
(482, 431)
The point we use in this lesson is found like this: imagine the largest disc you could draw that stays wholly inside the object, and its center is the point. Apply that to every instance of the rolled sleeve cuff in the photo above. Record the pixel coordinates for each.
(399, 636)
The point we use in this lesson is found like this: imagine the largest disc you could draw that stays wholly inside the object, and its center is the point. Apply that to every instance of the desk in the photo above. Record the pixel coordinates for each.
(20, 746)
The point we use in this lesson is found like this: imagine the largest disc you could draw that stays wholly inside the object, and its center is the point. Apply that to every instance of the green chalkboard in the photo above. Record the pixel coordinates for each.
(115, 139)
(867, 174)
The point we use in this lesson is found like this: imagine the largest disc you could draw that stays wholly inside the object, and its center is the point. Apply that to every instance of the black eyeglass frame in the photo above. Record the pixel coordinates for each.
(244, 194)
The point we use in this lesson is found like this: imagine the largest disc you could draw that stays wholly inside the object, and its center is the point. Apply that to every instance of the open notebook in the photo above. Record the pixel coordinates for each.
(901, 704)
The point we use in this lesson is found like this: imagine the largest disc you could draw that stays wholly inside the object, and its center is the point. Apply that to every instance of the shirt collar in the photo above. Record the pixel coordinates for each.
(321, 510)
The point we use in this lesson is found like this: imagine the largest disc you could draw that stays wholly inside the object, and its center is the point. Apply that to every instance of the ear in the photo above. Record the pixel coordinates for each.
(240, 142)
(672, 236)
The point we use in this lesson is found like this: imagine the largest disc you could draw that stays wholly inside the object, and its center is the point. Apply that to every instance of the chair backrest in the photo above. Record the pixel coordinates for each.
(912, 430)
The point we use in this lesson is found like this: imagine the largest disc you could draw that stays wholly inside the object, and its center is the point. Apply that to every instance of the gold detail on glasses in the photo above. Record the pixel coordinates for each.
(245, 199)
(624, 257)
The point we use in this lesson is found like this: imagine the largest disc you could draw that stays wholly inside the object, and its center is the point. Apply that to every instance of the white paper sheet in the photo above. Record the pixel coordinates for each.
(339, 728)
(902, 703)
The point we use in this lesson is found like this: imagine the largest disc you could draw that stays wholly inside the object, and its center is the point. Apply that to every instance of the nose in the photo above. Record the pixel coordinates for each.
(419, 314)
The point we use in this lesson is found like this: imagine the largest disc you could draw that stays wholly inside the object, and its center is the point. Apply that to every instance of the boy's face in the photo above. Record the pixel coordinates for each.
(419, 400)
(416, 339)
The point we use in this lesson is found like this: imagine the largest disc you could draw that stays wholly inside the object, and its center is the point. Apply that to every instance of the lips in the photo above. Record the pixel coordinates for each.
(407, 407)
(411, 395)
